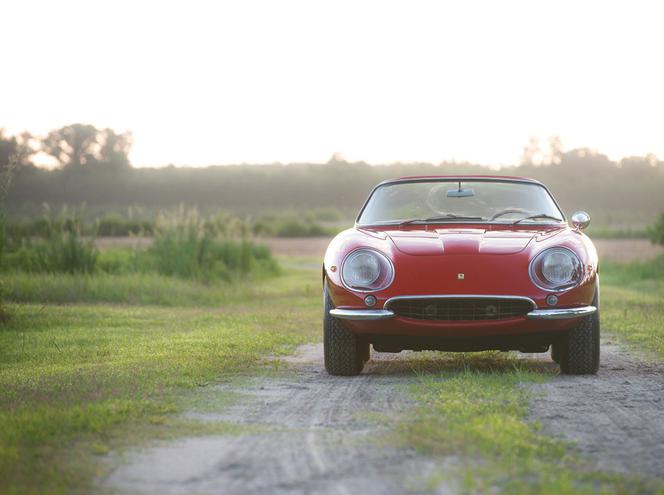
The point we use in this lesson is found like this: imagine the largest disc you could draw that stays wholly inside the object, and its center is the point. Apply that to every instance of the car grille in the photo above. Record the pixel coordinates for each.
(461, 309)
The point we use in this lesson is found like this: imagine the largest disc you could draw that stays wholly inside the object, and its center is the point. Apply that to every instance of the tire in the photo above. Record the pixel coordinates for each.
(344, 352)
(366, 352)
(556, 349)
(579, 351)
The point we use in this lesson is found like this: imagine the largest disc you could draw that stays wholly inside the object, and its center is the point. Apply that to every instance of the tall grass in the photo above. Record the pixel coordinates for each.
(120, 227)
(186, 246)
(635, 272)
(5, 183)
(656, 231)
(600, 232)
(279, 224)
(63, 250)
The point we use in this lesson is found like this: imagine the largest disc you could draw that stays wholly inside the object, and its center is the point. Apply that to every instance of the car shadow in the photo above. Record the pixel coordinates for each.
(409, 363)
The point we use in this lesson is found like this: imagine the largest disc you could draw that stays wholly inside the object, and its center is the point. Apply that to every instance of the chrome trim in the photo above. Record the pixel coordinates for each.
(563, 288)
(561, 313)
(536, 314)
(362, 314)
(364, 291)
(459, 296)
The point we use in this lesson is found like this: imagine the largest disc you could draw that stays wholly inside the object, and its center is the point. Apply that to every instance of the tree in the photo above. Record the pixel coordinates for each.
(78, 146)
(532, 154)
(72, 146)
(556, 151)
(16, 149)
(114, 151)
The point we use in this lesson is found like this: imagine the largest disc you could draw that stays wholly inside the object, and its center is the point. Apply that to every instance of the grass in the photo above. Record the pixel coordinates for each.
(636, 316)
(600, 232)
(77, 378)
(633, 304)
(154, 289)
(474, 411)
(184, 245)
(313, 222)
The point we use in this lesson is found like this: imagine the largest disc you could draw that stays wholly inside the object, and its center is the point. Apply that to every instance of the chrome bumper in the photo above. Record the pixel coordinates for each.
(560, 313)
(537, 314)
(362, 314)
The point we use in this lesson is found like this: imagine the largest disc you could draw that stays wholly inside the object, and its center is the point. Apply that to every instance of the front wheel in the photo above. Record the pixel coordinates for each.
(578, 352)
(344, 353)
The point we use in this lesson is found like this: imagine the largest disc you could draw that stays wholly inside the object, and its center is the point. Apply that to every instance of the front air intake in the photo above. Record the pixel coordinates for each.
(460, 308)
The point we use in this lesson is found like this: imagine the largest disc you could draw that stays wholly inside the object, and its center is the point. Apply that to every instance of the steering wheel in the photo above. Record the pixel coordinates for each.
(508, 211)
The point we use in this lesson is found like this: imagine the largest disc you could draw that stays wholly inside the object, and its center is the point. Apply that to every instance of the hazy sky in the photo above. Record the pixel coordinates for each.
(262, 81)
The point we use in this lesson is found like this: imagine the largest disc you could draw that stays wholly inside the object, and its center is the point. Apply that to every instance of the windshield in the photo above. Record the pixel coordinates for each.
(460, 201)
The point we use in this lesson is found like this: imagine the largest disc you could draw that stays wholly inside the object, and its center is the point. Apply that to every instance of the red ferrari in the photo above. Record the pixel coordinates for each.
(462, 264)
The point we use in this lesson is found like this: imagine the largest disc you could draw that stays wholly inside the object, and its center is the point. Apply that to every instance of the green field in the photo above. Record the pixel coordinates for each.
(77, 378)
(93, 363)
(633, 305)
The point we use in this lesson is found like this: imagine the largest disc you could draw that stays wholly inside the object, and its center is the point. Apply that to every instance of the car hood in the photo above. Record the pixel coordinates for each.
(465, 241)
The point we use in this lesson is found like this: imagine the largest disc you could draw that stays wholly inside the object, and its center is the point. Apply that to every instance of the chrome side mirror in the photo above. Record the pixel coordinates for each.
(580, 220)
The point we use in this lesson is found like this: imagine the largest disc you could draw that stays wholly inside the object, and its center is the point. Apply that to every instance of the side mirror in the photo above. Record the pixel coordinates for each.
(580, 220)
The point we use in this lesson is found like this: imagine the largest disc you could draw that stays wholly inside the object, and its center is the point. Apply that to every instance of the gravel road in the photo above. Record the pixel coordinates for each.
(323, 434)
(616, 419)
(322, 437)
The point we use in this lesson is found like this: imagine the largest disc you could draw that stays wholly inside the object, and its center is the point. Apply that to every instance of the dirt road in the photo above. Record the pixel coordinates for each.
(319, 439)
(322, 434)
(615, 418)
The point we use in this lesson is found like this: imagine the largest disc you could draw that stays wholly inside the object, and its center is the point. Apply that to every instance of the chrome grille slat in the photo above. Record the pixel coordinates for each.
(461, 308)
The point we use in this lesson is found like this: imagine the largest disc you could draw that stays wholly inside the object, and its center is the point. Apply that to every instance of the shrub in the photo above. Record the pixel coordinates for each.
(226, 225)
(616, 233)
(107, 227)
(295, 228)
(119, 227)
(5, 182)
(123, 261)
(187, 247)
(656, 231)
(63, 250)
(2, 249)
(623, 274)
(184, 246)
(33, 228)
(327, 215)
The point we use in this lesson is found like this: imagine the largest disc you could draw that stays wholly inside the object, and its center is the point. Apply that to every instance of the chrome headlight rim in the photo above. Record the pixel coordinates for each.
(380, 255)
(544, 284)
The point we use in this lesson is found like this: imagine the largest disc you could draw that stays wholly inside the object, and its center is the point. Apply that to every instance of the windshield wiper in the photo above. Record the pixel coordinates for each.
(449, 216)
(540, 215)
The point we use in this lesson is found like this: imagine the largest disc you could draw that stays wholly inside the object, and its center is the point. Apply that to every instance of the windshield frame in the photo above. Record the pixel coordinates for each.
(459, 220)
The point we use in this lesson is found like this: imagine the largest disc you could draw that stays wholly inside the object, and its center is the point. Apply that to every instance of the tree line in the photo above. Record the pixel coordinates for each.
(93, 168)
(72, 147)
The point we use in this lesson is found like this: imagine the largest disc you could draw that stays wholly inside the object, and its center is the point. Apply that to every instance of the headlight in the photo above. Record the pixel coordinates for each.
(366, 270)
(556, 269)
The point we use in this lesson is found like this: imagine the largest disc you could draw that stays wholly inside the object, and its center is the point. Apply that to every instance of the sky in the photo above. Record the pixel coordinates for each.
(249, 81)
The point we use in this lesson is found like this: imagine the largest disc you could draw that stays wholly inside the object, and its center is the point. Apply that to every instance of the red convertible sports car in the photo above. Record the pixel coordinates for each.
(462, 264)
